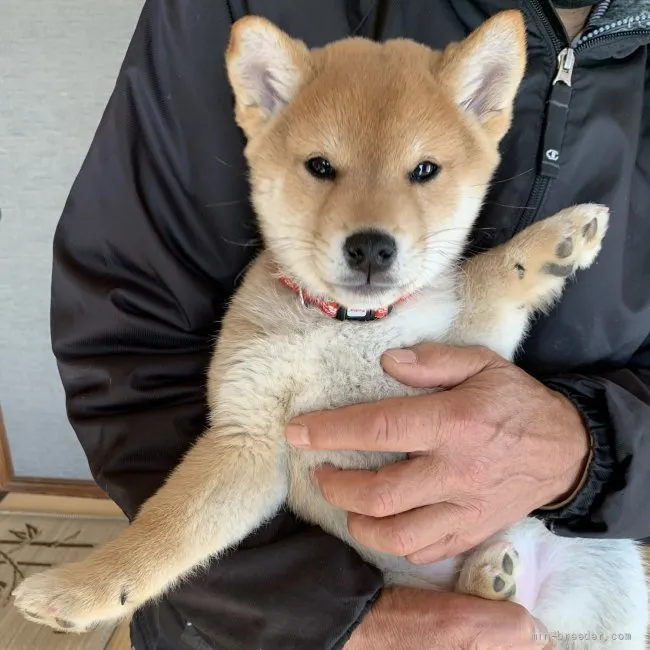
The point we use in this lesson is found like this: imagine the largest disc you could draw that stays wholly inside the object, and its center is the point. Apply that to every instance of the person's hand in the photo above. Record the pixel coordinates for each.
(483, 455)
(413, 619)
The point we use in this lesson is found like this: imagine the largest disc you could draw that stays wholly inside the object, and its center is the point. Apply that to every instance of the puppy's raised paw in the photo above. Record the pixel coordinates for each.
(580, 231)
(562, 244)
(543, 256)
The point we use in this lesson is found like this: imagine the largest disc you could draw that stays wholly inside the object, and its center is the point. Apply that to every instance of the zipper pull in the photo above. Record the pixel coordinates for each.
(557, 111)
(566, 59)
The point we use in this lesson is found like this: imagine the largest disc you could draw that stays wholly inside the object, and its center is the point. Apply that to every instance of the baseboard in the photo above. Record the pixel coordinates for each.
(54, 487)
(9, 482)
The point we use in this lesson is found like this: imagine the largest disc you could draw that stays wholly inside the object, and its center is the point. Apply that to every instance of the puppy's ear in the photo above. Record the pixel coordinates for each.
(265, 68)
(484, 71)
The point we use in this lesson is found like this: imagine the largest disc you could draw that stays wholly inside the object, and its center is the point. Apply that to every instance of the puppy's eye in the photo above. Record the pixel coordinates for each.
(424, 171)
(320, 168)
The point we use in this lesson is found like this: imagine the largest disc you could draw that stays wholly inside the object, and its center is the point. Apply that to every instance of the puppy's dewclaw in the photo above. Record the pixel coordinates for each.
(369, 163)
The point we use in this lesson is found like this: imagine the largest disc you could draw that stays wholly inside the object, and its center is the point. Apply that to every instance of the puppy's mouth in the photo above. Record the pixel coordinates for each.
(367, 283)
(373, 290)
(363, 290)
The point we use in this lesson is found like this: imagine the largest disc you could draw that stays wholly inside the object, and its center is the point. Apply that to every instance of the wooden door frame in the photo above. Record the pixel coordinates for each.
(9, 482)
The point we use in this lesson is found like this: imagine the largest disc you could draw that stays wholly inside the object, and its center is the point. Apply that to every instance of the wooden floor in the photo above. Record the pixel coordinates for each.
(68, 505)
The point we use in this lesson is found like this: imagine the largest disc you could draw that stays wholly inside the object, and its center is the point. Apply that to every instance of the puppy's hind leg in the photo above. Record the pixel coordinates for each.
(503, 287)
(227, 485)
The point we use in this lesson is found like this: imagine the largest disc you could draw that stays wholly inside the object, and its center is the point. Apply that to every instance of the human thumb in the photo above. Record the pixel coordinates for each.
(540, 635)
(524, 632)
(432, 365)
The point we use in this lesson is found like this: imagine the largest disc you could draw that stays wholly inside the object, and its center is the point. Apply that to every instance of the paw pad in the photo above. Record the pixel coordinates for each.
(508, 564)
(564, 248)
(498, 584)
(558, 270)
(590, 229)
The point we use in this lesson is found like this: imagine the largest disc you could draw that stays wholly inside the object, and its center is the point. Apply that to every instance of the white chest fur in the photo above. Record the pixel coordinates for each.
(307, 362)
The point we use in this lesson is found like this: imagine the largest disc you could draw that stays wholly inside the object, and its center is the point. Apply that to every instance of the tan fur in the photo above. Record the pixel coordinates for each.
(374, 111)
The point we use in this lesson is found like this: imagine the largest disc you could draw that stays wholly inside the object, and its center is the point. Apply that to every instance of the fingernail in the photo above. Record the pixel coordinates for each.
(402, 356)
(540, 634)
(298, 435)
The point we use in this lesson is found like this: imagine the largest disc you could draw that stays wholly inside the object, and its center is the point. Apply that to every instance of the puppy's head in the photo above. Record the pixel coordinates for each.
(369, 162)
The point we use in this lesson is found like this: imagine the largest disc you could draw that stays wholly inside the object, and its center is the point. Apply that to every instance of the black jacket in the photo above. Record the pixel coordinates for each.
(158, 229)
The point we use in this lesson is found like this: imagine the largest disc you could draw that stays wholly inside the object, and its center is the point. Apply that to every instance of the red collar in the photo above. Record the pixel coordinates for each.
(333, 309)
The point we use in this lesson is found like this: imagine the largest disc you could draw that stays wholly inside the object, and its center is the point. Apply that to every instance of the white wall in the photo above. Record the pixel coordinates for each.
(58, 63)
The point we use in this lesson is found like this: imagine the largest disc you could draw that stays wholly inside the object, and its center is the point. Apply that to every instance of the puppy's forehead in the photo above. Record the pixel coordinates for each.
(373, 100)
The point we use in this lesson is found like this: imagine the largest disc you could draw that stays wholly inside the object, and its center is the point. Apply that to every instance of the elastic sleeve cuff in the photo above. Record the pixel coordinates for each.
(587, 395)
(346, 637)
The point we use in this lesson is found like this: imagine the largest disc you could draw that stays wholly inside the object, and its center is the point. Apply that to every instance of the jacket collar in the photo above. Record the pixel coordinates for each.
(616, 18)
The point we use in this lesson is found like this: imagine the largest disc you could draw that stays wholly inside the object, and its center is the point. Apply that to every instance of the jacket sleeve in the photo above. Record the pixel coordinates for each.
(615, 406)
(156, 230)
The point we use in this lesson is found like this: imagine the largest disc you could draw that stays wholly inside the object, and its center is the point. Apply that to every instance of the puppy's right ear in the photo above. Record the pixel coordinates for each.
(265, 68)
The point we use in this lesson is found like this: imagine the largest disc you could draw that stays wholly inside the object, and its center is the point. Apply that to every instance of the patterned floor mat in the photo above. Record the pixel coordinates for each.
(30, 543)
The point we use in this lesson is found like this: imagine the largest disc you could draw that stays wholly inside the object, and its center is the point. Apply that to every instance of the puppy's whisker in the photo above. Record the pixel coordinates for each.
(243, 272)
(226, 204)
(504, 180)
(241, 170)
(428, 237)
(290, 241)
(251, 243)
(506, 205)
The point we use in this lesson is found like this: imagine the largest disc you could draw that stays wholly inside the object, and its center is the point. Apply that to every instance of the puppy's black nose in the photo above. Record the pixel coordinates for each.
(370, 250)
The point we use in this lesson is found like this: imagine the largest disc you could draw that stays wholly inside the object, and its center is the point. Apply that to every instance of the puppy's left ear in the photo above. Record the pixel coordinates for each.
(484, 71)
(265, 68)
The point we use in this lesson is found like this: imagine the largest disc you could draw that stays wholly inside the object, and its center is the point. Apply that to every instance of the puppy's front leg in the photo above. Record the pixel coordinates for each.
(502, 288)
(227, 485)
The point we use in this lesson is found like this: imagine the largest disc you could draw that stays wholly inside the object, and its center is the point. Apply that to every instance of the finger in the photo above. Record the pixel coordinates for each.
(449, 545)
(406, 533)
(432, 365)
(408, 424)
(516, 629)
(394, 489)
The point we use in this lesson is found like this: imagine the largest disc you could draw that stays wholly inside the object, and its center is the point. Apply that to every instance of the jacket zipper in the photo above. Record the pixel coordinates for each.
(557, 110)
(541, 183)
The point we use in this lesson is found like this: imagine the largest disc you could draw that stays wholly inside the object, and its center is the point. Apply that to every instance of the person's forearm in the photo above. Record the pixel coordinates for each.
(429, 620)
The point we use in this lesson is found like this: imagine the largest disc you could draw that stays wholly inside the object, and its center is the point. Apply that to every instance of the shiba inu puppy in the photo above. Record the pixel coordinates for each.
(369, 164)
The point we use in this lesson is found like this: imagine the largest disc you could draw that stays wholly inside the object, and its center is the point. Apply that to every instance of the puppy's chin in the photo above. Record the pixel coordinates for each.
(361, 296)
(368, 296)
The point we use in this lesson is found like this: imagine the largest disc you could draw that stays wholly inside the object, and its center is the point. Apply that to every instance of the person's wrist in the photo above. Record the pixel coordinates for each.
(399, 614)
(418, 619)
(363, 637)
(379, 621)
(574, 454)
